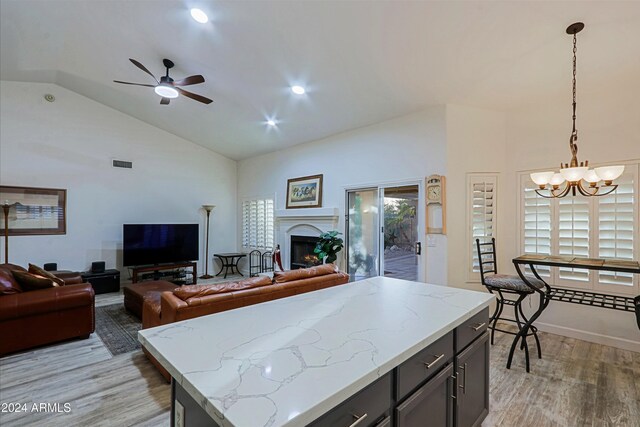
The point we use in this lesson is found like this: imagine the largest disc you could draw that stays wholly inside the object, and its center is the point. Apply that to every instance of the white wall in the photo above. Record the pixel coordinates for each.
(406, 148)
(476, 143)
(70, 143)
(608, 131)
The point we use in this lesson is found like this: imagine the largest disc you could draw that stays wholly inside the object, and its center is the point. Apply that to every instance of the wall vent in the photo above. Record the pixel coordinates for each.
(122, 164)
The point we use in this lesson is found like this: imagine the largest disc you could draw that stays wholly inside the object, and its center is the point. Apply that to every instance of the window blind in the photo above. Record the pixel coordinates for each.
(257, 224)
(482, 201)
(573, 234)
(616, 228)
(537, 225)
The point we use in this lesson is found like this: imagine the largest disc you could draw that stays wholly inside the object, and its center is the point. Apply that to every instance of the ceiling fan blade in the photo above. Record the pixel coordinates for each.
(143, 68)
(194, 96)
(134, 84)
(164, 101)
(191, 80)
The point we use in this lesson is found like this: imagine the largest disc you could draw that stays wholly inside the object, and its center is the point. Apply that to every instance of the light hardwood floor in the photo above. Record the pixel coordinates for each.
(576, 383)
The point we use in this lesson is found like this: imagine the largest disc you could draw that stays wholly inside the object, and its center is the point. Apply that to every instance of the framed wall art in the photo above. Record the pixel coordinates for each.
(33, 211)
(304, 192)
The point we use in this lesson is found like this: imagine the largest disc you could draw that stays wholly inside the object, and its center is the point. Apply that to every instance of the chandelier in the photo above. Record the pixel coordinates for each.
(573, 174)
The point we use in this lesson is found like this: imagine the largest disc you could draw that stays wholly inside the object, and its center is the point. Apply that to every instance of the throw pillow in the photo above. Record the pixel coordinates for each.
(33, 282)
(8, 284)
(34, 269)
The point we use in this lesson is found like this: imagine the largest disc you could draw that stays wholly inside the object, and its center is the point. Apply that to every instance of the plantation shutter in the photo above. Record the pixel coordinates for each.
(573, 235)
(257, 223)
(482, 202)
(616, 228)
(536, 225)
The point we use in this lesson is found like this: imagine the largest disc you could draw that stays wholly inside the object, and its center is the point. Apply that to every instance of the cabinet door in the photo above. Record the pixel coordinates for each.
(472, 365)
(431, 405)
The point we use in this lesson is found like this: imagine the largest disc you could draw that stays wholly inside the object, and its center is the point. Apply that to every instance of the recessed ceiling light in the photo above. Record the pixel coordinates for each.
(298, 90)
(199, 16)
(271, 122)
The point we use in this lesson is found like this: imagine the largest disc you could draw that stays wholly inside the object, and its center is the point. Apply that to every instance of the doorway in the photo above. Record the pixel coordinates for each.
(383, 228)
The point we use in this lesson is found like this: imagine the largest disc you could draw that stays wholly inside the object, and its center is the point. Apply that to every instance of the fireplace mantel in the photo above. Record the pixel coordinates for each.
(302, 222)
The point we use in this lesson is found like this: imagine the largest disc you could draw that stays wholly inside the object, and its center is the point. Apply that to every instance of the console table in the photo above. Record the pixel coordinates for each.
(576, 296)
(229, 261)
(146, 268)
(379, 352)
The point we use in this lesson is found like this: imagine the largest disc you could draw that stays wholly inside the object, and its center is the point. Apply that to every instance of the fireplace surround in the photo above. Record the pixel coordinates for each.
(303, 223)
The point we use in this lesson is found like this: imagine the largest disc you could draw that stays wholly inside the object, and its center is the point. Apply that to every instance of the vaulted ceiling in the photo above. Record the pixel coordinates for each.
(361, 62)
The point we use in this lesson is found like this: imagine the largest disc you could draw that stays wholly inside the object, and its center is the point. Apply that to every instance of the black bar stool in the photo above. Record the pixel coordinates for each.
(503, 285)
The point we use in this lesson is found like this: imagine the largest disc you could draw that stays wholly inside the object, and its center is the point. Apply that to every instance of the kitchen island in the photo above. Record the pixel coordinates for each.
(382, 351)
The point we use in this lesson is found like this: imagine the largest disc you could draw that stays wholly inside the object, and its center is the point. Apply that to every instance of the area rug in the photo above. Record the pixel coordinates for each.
(117, 328)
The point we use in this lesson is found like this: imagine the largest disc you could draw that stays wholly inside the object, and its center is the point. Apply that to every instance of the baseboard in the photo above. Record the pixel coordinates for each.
(617, 342)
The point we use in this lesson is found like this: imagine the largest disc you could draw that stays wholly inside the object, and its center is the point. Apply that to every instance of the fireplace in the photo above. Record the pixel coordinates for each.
(302, 255)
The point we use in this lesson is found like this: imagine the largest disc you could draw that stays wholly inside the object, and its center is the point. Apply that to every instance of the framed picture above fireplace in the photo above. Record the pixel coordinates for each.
(304, 192)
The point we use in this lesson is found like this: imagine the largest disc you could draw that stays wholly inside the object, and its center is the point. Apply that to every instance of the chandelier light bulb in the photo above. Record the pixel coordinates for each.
(556, 179)
(591, 177)
(541, 178)
(574, 174)
(609, 173)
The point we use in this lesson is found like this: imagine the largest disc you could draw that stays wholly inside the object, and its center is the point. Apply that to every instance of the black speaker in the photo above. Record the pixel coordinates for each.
(97, 267)
(51, 266)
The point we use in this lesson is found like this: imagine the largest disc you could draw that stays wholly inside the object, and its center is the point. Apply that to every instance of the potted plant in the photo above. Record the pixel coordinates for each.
(328, 246)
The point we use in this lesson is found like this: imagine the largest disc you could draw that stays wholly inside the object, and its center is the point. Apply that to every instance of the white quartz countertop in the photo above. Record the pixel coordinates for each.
(288, 361)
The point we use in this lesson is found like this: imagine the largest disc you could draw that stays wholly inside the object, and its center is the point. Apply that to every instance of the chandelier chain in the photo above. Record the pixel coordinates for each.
(575, 49)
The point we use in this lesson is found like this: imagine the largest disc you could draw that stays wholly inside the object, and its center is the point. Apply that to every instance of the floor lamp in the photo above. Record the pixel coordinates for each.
(206, 274)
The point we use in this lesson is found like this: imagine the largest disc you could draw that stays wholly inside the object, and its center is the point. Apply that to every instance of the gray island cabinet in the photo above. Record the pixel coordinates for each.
(381, 352)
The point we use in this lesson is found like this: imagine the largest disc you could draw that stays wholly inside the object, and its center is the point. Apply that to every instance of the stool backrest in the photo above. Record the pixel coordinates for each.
(487, 257)
(255, 263)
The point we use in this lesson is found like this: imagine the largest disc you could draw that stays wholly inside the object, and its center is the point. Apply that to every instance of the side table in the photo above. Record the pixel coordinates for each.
(107, 281)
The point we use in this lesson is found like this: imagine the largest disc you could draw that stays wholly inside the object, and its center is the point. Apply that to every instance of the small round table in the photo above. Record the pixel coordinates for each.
(229, 261)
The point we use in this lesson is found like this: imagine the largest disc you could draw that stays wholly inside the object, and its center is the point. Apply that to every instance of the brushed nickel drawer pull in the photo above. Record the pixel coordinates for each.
(464, 379)
(429, 365)
(478, 326)
(358, 420)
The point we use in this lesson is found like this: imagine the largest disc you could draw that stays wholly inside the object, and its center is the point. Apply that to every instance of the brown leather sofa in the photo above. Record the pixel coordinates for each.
(192, 301)
(37, 317)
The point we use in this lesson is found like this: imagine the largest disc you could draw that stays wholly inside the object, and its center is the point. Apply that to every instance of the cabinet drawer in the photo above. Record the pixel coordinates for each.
(431, 405)
(364, 409)
(471, 329)
(424, 365)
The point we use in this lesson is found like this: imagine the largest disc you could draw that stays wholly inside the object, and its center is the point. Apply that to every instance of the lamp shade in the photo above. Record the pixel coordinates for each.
(542, 178)
(573, 174)
(591, 177)
(609, 173)
(556, 179)
(208, 208)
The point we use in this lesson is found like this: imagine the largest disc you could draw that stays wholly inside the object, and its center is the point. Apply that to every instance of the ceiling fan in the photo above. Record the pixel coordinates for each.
(168, 88)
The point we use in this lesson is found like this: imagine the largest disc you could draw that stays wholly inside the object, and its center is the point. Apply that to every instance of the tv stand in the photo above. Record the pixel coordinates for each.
(156, 268)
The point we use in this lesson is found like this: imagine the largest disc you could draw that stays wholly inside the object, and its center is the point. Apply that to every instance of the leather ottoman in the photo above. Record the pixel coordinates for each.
(134, 294)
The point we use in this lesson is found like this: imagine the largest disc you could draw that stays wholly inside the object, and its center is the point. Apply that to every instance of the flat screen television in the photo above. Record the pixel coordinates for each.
(159, 243)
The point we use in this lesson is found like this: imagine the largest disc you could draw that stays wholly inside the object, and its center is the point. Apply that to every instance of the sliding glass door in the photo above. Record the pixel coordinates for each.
(363, 225)
(383, 226)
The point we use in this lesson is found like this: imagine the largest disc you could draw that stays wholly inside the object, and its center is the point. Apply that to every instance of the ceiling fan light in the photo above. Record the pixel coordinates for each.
(591, 177)
(542, 178)
(199, 16)
(166, 91)
(609, 173)
(574, 174)
(556, 179)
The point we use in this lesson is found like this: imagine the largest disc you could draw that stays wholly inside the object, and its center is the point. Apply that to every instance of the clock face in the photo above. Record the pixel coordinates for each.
(433, 193)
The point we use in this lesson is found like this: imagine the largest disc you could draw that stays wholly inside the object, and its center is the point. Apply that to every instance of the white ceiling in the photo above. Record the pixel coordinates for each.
(362, 62)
